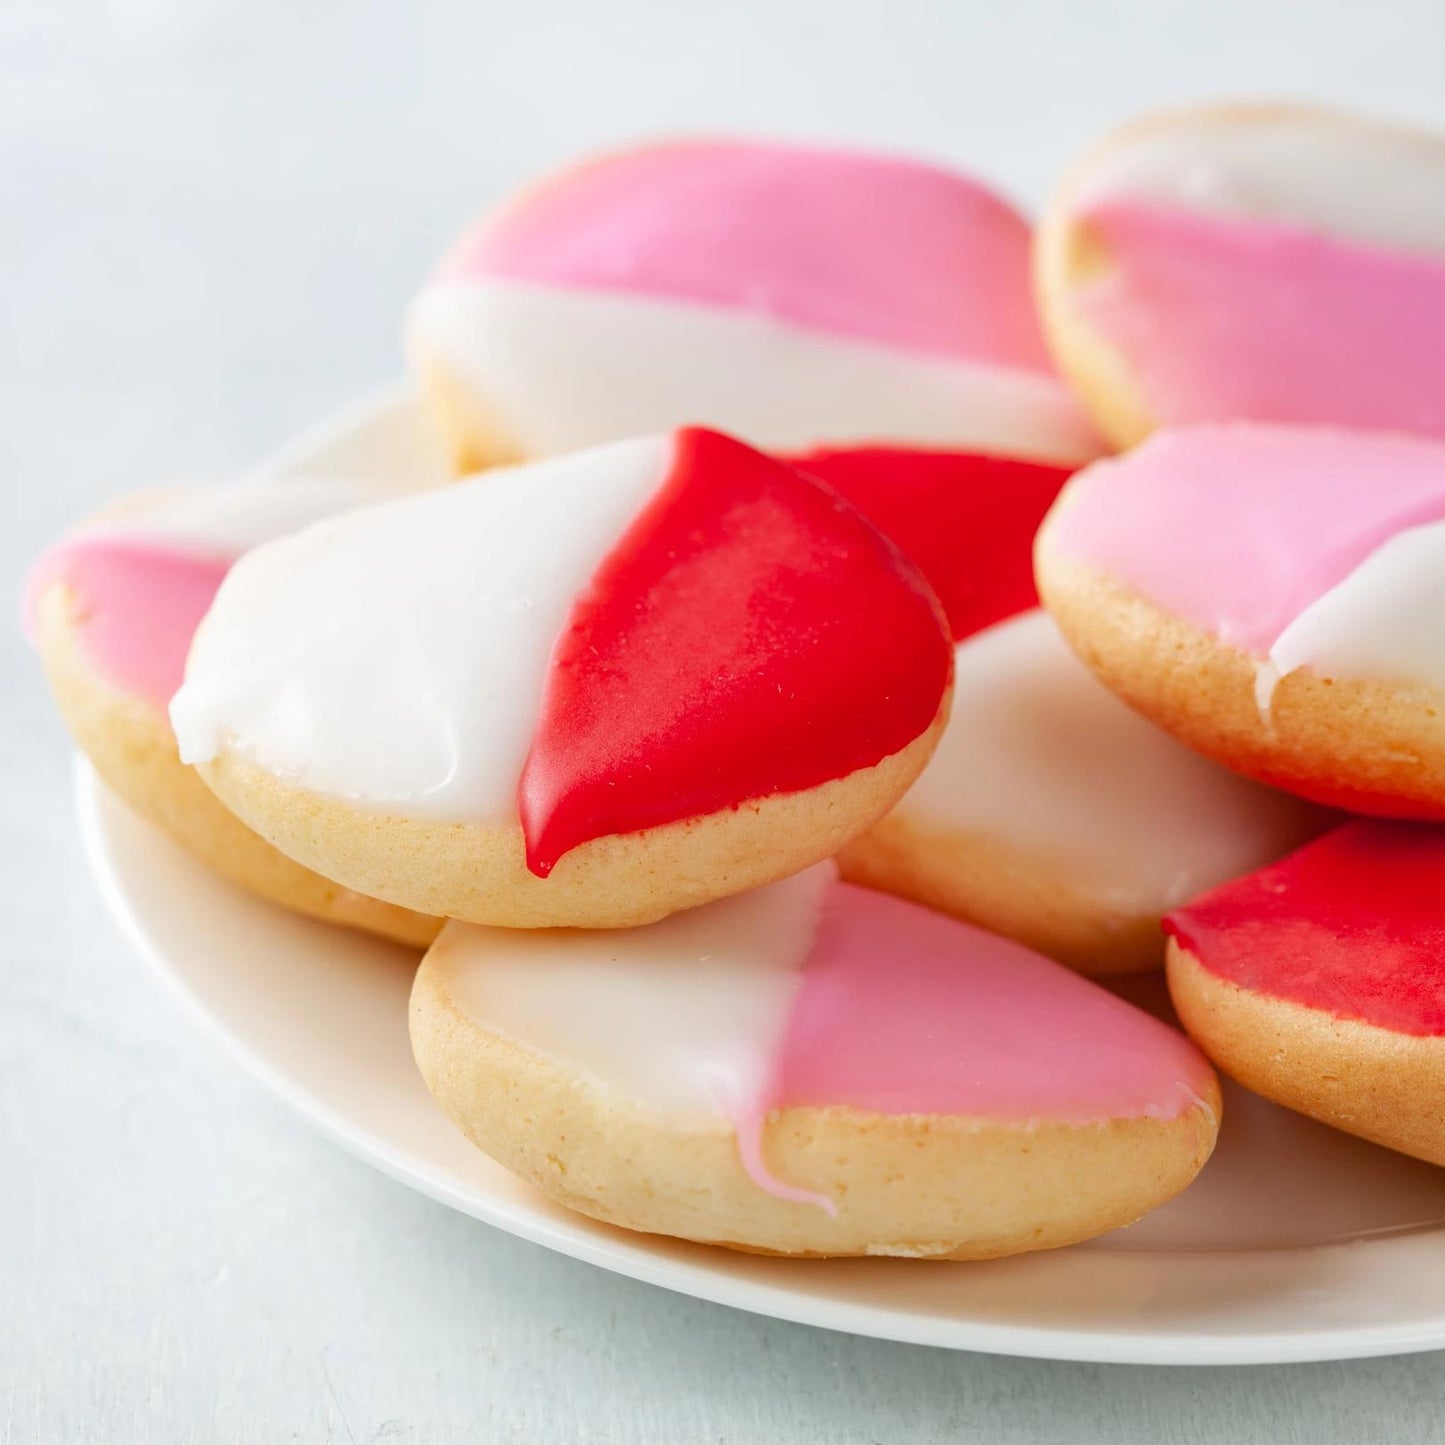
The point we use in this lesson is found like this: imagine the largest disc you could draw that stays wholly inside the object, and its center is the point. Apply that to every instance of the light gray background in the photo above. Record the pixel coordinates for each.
(211, 214)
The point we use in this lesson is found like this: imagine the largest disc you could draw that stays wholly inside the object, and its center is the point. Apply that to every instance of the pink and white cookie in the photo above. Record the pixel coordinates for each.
(1050, 812)
(812, 1068)
(793, 295)
(1273, 596)
(1264, 263)
(1320, 982)
(588, 691)
(113, 609)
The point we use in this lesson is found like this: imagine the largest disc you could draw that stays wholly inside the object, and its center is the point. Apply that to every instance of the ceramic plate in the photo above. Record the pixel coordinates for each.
(1296, 1243)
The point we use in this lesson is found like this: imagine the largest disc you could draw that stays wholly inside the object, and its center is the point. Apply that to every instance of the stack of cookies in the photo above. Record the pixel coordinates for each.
(765, 832)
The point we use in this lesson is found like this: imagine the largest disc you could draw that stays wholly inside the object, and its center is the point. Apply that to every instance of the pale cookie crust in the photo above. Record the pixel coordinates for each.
(1018, 892)
(1373, 746)
(479, 874)
(917, 1186)
(1385, 1086)
(131, 746)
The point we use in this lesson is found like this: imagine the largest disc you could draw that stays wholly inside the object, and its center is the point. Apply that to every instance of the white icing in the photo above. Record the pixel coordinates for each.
(570, 368)
(1041, 755)
(397, 655)
(682, 1018)
(230, 518)
(1354, 179)
(1385, 620)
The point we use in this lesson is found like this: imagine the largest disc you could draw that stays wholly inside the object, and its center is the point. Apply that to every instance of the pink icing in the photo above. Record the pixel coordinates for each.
(883, 250)
(1222, 319)
(138, 605)
(905, 1011)
(1237, 529)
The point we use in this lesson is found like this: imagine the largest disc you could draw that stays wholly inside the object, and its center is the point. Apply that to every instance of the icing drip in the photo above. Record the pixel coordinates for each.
(966, 521)
(1352, 924)
(812, 993)
(748, 636)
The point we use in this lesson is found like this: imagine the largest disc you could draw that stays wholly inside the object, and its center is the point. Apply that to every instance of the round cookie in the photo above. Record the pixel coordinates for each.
(586, 692)
(1320, 982)
(112, 610)
(1050, 812)
(1267, 263)
(812, 1068)
(792, 295)
(1273, 596)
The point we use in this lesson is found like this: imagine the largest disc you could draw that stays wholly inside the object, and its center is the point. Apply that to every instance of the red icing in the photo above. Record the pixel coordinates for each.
(750, 634)
(1353, 924)
(967, 521)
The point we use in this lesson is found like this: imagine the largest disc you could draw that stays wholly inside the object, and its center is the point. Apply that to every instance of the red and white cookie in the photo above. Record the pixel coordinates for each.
(1274, 596)
(112, 610)
(1050, 812)
(1320, 982)
(795, 296)
(588, 691)
(812, 1068)
(1268, 263)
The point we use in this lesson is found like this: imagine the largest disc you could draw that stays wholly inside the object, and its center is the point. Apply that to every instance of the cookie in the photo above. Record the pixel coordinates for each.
(793, 295)
(587, 692)
(812, 1068)
(1053, 813)
(1320, 982)
(1273, 596)
(1264, 263)
(112, 610)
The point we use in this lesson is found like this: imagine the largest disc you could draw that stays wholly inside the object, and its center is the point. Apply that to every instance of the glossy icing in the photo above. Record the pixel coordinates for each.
(569, 369)
(889, 251)
(813, 992)
(141, 579)
(1039, 754)
(746, 637)
(1221, 320)
(966, 521)
(397, 655)
(600, 642)
(1385, 619)
(1240, 530)
(1283, 265)
(786, 293)
(683, 1016)
(902, 1010)
(1353, 924)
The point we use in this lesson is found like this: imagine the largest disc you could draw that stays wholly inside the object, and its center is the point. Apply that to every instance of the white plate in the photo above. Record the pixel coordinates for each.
(1297, 1243)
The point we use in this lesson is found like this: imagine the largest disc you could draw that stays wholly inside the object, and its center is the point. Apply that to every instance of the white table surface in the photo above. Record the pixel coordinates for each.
(212, 214)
